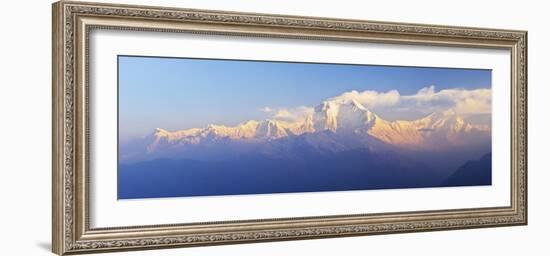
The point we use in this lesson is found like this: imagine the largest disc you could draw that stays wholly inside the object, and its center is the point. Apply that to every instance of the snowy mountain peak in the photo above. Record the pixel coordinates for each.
(160, 132)
(344, 119)
(342, 116)
(271, 129)
(358, 105)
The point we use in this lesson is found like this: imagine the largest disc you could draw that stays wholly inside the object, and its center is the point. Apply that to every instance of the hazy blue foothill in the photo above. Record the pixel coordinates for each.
(257, 175)
(302, 168)
(474, 172)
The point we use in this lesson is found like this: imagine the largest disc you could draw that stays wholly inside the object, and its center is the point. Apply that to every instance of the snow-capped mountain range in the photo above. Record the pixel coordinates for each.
(332, 125)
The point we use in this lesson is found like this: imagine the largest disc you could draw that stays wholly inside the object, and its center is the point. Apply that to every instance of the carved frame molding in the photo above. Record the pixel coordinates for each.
(72, 22)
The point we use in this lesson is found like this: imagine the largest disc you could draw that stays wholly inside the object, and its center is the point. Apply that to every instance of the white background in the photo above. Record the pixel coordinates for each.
(25, 102)
(106, 211)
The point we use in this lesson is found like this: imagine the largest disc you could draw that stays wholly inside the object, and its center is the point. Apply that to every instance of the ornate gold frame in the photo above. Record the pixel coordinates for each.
(72, 21)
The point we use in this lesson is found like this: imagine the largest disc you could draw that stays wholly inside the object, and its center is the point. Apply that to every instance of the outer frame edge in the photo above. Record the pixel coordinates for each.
(59, 243)
(57, 129)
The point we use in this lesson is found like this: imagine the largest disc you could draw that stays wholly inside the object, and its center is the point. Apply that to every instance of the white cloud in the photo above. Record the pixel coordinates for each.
(292, 115)
(266, 109)
(391, 105)
(462, 101)
(370, 99)
(425, 101)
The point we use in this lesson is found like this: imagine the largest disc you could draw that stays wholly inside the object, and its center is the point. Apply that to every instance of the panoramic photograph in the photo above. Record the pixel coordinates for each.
(213, 127)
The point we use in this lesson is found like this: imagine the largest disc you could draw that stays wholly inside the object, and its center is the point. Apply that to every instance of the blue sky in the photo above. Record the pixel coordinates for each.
(180, 93)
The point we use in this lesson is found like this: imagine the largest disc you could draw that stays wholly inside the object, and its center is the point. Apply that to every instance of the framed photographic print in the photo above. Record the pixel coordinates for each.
(179, 127)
